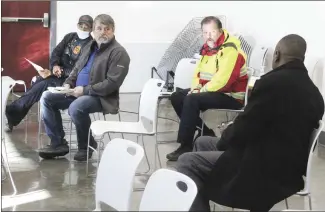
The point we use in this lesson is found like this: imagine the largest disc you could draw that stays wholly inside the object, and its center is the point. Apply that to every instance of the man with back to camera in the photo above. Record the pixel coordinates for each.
(261, 158)
(62, 60)
(95, 79)
(219, 82)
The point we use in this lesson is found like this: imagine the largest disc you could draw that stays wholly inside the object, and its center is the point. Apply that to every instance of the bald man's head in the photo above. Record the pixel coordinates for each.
(289, 48)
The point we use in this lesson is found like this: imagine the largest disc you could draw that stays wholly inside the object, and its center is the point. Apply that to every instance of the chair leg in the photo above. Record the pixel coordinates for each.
(8, 168)
(157, 156)
(87, 165)
(70, 141)
(310, 205)
(287, 204)
(202, 118)
(119, 119)
(214, 207)
(4, 176)
(40, 133)
(98, 208)
(146, 156)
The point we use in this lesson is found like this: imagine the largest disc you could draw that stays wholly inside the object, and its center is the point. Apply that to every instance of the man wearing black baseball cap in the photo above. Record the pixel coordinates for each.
(62, 60)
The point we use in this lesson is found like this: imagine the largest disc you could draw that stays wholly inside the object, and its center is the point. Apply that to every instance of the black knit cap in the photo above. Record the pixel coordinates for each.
(86, 19)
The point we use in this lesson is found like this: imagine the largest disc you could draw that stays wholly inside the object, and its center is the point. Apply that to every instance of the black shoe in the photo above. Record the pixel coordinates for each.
(9, 127)
(81, 155)
(173, 156)
(50, 152)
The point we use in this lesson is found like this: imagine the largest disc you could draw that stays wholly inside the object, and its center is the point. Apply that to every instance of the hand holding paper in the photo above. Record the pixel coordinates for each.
(44, 73)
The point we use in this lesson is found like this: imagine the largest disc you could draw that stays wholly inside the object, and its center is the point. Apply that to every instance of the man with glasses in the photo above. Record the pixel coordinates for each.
(62, 60)
(95, 79)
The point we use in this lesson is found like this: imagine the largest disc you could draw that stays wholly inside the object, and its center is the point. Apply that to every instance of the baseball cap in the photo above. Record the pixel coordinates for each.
(86, 19)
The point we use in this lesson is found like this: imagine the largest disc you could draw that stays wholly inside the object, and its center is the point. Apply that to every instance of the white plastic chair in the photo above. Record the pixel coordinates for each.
(257, 60)
(168, 190)
(6, 87)
(147, 121)
(313, 142)
(318, 72)
(116, 172)
(18, 82)
(183, 79)
(183, 74)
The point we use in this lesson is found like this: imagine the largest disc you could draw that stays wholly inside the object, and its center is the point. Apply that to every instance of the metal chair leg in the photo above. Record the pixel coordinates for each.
(70, 142)
(287, 204)
(40, 133)
(145, 153)
(87, 166)
(310, 205)
(119, 119)
(4, 176)
(8, 168)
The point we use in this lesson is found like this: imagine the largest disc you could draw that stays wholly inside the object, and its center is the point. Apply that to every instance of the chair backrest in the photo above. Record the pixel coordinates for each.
(250, 73)
(168, 190)
(184, 73)
(317, 73)
(115, 174)
(148, 100)
(313, 141)
(247, 44)
(6, 78)
(6, 87)
(257, 59)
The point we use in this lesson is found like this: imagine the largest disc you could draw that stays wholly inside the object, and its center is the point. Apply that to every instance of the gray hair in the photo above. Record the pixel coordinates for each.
(105, 19)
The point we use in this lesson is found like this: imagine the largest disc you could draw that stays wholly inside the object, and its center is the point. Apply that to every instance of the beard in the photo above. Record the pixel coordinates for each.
(103, 40)
(210, 43)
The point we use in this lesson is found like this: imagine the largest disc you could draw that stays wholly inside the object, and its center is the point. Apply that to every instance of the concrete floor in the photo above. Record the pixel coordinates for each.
(63, 186)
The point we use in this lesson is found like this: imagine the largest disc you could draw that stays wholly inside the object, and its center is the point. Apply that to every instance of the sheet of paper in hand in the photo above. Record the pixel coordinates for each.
(37, 67)
(62, 90)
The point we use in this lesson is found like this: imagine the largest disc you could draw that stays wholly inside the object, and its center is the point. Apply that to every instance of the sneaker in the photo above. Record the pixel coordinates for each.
(173, 156)
(81, 155)
(50, 152)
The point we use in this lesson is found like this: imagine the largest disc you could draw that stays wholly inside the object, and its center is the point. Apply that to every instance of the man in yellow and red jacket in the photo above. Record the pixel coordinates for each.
(219, 82)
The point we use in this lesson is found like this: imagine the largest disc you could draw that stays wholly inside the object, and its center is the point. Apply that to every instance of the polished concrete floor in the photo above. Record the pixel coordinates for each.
(63, 186)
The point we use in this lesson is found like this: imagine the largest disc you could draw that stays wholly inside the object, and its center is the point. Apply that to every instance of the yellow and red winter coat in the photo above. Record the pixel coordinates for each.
(222, 69)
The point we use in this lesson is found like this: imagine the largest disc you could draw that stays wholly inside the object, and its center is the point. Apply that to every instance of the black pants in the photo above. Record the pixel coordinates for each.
(198, 164)
(188, 109)
(18, 109)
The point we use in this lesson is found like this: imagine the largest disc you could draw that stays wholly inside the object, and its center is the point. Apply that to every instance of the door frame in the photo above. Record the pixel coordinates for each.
(53, 19)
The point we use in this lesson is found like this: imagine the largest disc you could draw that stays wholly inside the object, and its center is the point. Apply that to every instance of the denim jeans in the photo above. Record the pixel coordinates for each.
(79, 110)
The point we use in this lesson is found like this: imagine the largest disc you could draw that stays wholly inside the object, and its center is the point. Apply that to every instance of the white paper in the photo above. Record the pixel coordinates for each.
(37, 67)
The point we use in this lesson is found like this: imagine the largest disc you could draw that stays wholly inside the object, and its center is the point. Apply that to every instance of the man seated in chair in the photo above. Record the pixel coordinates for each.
(220, 81)
(261, 158)
(95, 79)
(62, 60)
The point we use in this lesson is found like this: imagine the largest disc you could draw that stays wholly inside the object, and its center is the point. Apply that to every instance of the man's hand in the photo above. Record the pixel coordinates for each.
(193, 91)
(77, 91)
(57, 71)
(45, 73)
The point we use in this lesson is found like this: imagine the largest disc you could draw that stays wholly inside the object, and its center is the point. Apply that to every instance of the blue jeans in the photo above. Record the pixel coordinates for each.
(79, 110)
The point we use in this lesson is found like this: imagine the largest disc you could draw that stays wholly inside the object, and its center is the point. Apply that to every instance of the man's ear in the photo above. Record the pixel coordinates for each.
(276, 56)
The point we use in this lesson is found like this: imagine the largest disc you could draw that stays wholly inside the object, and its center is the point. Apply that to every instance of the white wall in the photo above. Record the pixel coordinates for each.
(147, 28)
